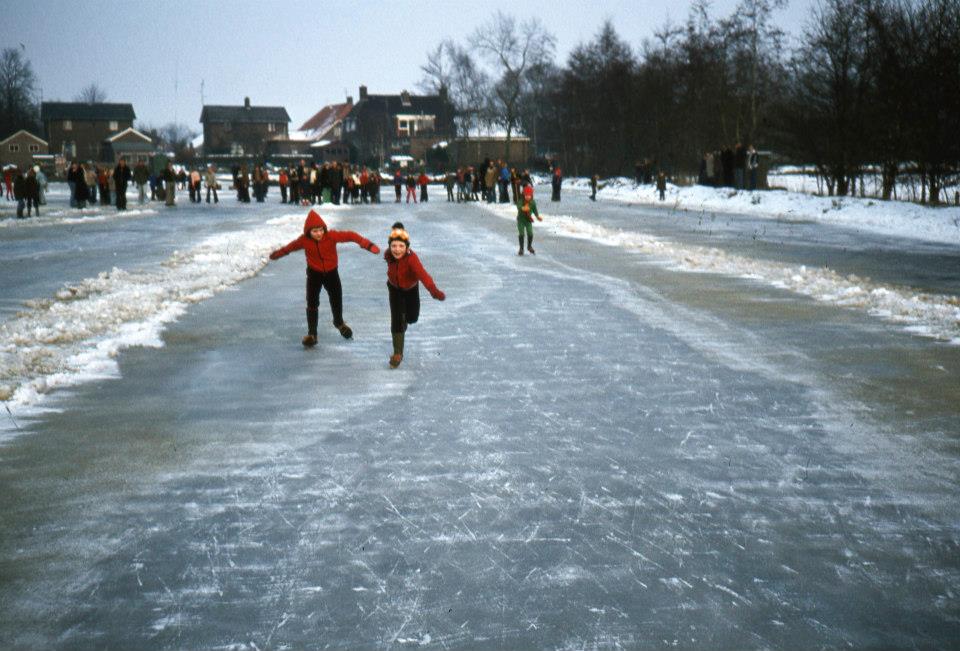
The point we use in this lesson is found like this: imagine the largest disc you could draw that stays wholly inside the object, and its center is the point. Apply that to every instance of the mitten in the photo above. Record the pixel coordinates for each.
(276, 255)
(439, 295)
(374, 249)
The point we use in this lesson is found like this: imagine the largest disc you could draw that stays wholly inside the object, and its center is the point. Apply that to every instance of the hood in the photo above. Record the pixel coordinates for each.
(312, 221)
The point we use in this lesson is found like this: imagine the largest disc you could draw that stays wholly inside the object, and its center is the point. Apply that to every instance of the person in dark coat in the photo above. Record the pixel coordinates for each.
(739, 166)
(18, 191)
(82, 190)
(556, 181)
(662, 184)
(31, 191)
(122, 175)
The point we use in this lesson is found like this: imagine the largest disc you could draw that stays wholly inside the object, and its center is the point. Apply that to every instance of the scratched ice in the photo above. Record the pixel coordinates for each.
(645, 436)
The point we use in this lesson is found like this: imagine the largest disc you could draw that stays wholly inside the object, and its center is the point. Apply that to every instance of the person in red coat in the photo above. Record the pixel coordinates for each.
(319, 244)
(404, 275)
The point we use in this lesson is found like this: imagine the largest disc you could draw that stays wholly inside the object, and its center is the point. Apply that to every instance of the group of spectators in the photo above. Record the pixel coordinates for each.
(732, 167)
(27, 187)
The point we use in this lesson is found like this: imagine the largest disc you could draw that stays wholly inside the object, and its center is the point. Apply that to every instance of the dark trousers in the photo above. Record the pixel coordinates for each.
(404, 307)
(317, 280)
(122, 198)
(283, 194)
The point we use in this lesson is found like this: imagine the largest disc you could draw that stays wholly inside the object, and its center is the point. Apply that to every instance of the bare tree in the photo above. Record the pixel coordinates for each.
(91, 94)
(17, 107)
(512, 50)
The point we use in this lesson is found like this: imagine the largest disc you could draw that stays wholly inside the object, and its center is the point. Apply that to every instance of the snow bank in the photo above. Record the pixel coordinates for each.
(893, 218)
(931, 315)
(75, 335)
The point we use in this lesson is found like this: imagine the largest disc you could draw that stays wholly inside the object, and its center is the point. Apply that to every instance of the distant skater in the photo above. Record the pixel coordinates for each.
(319, 244)
(404, 275)
(526, 211)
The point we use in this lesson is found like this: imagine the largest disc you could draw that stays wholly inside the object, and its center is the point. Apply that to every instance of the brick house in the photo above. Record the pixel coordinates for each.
(381, 126)
(130, 143)
(242, 130)
(20, 149)
(77, 130)
(318, 139)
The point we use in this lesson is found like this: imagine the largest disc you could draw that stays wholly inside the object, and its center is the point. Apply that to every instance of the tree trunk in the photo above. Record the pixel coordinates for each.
(889, 174)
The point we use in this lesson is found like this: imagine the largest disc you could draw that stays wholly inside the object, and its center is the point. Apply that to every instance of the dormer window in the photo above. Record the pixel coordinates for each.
(68, 125)
(114, 125)
(405, 98)
(271, 127)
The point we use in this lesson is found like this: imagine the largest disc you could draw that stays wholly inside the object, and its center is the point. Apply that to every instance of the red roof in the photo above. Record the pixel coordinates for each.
(326, 118)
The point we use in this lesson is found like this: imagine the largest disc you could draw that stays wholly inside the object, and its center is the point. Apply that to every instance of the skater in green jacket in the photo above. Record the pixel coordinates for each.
(526, 211)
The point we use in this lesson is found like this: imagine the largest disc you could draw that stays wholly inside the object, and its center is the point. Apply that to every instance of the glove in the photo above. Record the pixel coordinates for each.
(374, 249)
(276, 255)
(439, 295)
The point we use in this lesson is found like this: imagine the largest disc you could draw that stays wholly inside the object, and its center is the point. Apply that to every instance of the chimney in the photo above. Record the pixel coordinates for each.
(405, 98)
(349, 100)
(246, 102)
(443, 93)
(363, 93)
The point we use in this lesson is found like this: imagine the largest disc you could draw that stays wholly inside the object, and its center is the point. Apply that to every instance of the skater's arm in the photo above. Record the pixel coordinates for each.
(425, 278)
(351, 236)
(288, 249)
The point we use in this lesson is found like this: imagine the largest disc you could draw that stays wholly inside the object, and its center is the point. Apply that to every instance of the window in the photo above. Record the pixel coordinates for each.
(114, 125)
(271, 127)
(34, 149)
(14, 149)
(68, 125)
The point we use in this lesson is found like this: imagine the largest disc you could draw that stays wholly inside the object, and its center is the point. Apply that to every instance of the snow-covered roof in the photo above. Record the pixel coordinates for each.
(129, 131)
(401, 157)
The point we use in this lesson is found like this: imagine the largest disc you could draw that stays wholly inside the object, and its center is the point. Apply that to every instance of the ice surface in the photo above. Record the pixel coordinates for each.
(587, 448)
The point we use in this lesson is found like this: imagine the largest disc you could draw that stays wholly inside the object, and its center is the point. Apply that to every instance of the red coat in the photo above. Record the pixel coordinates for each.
(322, 255)
(406, 272)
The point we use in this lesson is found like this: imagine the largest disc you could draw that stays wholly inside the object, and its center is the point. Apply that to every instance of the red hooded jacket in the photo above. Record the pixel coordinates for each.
(406, 272)
(322, 255)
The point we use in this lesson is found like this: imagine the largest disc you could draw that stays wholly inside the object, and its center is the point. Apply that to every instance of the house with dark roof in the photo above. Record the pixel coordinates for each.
(381, 126)
(77, 130)
(242, 131)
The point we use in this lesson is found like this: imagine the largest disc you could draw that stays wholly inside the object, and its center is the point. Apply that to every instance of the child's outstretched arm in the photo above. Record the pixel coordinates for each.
(288, 249)
(351, 236)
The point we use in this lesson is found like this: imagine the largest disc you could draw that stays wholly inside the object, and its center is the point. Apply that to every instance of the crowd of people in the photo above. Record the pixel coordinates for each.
(732, 167)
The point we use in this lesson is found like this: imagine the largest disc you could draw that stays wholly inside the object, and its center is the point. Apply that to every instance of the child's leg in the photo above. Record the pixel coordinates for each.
(314, 284)
(331, 281)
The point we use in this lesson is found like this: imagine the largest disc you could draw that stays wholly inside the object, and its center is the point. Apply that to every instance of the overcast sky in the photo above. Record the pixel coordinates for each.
(301, 55)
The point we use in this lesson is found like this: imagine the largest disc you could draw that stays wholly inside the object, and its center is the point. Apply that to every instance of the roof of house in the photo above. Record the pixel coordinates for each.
(130, 131)
(86, 111)
(249, 114)
(326, 118)
(393, 104)
(25, 132)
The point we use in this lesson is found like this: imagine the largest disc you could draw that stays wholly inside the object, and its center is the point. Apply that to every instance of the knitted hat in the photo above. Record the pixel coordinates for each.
(397, 232)
(528, 192)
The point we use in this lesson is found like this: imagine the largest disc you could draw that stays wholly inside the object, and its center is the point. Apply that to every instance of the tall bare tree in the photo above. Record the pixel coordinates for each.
(512, 50)
(91, 94)
(17, 106)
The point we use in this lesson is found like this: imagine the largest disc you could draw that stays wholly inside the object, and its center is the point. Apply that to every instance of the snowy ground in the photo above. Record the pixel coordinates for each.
(668, 429)
(892, 218)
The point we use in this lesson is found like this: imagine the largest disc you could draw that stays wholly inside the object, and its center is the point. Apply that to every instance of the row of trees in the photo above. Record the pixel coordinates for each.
(872, 85)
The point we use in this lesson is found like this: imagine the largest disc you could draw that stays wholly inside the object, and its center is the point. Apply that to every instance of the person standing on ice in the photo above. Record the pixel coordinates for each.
(404, 275)
(319, 244)
(662, 184)
(526, 211)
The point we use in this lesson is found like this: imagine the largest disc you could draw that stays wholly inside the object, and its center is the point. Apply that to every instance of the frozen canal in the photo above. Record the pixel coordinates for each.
(665, 430)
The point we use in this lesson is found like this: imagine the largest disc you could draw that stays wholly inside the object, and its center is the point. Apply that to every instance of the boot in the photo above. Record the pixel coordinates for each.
(529, 244)
(397, 356)
(520, 252)
(344, 330)
(311, 338)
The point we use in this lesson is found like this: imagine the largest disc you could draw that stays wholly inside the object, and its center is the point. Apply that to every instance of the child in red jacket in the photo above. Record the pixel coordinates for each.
(320, 246)
(404, 275)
